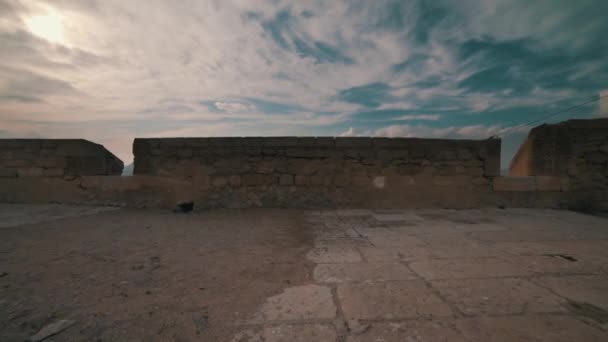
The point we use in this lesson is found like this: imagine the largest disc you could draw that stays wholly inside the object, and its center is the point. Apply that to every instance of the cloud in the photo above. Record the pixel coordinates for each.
(603, 103)
(279, 67)
(423, 117)
(232, 107)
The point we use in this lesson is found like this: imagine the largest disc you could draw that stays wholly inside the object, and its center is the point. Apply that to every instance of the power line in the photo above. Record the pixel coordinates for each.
(594, 98)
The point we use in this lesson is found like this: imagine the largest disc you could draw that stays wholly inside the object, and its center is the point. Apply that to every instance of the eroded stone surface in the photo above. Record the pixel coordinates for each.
(583, 289)
(299, 333)
(362, 272)
(334, 254)
(394, 254)
(304, 302)
(414, 331)
(390, 300)
(467, 268)
(529, 328)
(498, 296)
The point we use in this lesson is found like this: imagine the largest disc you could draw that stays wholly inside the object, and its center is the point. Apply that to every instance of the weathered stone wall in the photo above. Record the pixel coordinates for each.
(55, 158)
(574, 150)
(309, 171)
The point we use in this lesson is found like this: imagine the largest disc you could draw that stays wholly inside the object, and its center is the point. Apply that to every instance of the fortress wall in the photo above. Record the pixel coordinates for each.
(309, 171)
(26, 158)
(281, 172)
(576, 151)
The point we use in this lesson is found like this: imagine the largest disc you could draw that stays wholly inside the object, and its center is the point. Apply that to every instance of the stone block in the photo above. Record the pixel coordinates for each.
(565, 184)
(226, 142)
(545, 328)
(254, 179)
(360, 272)
(325, 141)
(465, 154)
(474, 171)
(296, 333)
(513, 184)
(454, 180)
(409, 169)
(235, 180)
(286, 180)
(252, 141)
(8, 172)
(141, 146)
(307, 141)
(301, 180)
(219, 181)
(52, 162)
(266, 166)
(172, 142)
(353, 142)
(467, 268)
(410, 331)
(390, 300)
(498, 296)
(341, 180)
(334, 255)
(30, 171)
(184, 153)
(596, 158)
(305, 302)
(16, 162)
(361, 181)
(281, 141)
(490, 154)
(480, 180)
(53, 172)
(316, 180)
(548, 183)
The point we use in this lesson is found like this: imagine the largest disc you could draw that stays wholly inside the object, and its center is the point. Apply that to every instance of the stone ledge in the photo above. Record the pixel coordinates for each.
(514, 184)
(548, 183)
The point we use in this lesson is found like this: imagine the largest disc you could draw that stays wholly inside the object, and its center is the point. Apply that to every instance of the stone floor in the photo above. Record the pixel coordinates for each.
(290, 275)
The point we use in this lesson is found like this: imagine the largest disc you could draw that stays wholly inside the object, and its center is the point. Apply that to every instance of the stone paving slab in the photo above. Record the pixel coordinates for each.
(299, 333)
(498, 296)
(411, 331)
(582, 289)
(564, 264)
(529, 328)
(463, 249)
(362, 272)
(334, 254)
(397, 217)
(526, 248)
(394, 240)
(393, 254)
(12, 215)
(390, 300)
(306, 302)
(467, 268)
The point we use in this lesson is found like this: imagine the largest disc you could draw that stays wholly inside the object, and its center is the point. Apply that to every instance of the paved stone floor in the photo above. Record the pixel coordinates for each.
(290, 275)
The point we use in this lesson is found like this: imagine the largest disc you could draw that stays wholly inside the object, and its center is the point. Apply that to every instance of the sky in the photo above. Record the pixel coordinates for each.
(112, 70)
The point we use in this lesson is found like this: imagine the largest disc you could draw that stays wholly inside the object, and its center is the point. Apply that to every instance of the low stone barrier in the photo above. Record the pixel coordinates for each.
(21, 158)
(317, 171)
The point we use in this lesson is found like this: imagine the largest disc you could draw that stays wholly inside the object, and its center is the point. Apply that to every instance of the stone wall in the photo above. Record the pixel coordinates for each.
(309, 171)
(21, 158)
(574, 150)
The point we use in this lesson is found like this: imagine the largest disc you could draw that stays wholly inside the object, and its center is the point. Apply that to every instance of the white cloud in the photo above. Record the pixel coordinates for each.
(603, 103)
(424, 117)
(233, 107)
(127, 63)
(452, 132)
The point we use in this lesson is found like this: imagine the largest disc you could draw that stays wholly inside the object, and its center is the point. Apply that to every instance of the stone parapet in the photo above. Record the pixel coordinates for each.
(21, 158)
